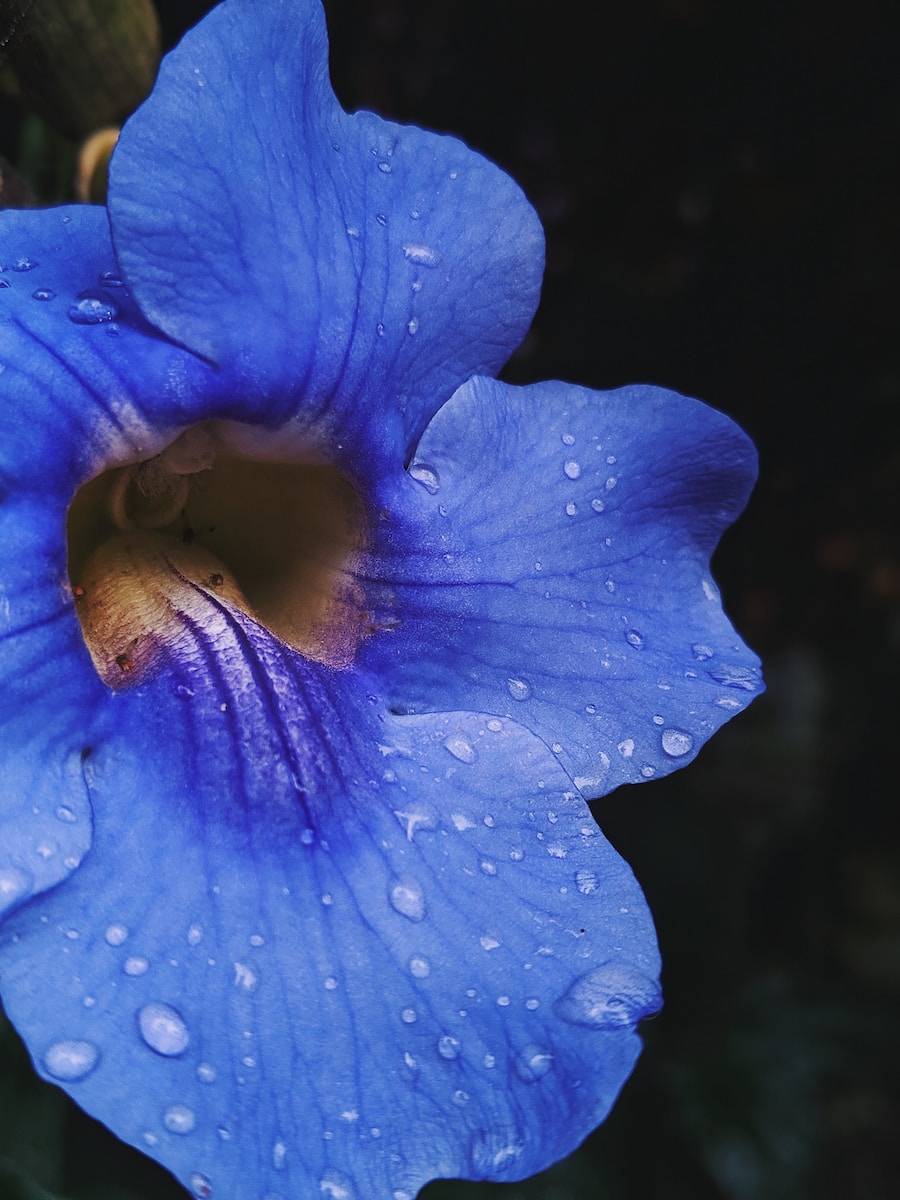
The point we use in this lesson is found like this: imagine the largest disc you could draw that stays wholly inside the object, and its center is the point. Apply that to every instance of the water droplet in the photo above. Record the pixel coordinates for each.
(72, 1060)
(532, 1063)
(412, 325)
(331, 984)
(64, 813)
(15, 885)
(245, 977)
(488, 942)
(409, 1016)
(633, 638)
(93, 307)
(116, 934)
(178, 1118)
(568, 439)
(519, 689)
(701, 652)
(110, 279)
(611, 483)
(381, 218)
(4, 283)
(200, 1186)
(610, 997)
(194, 935)
(163, 1029)
(136, 966)
(24, 263)
(532, 1003)
(407, 899)
(572, 469)
(385, 168)
(427, 476)
(206, 1073)
(460, 748)
(488, 868)
(424, 256)
(745, 678)
(279, 1154)
(419, 968)
(335, 1186)
(503, 1001)
(648, 772)
(586, 882)
(597, 505)
(676, 742)
(571, 509)
(448, 1047)
(42, 294)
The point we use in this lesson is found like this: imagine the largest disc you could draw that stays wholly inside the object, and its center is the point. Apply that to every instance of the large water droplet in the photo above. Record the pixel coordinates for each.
(200, 1186)
(572, 469)
(633, 638)
(163, 1029)
(419, 968)
(427, 476)
(42, 294)
(178, 1118)
(610, 997)
(407, 899)
(519, 689)
(533, 1063)
(135, 966)
(733, 676)
(24, 263)
(15, 885)
(335, 1186)
(586, 882)
(116, 934)
(93, 307)
(424, 256)
(460, 748)
(448, 1047)
(676, 742)
(72, 1060)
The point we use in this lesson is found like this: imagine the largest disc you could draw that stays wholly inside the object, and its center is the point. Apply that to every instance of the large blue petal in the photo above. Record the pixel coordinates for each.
(319, 950)
(547, 558)
(366, 267)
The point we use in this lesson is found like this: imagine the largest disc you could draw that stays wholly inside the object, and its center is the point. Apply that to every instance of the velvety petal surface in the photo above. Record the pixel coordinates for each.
(547, 558)
(320, 950)
(364, 266)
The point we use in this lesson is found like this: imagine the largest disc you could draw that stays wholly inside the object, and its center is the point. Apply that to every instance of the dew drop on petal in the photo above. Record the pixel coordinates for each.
(675, 742)
(200, 1186)
(116, 934)
(178, 1118)
(519, 689)
(426, 476)
(460, 748)
(701, 652)
(633, 638)
(572, 469)
(532, 1063)
(419, 968)
(610, 997)
(422, 255)
(93, 307)
(206, 1073)
(586, 882)
(70, 1061)
(136, 966)
(24, 263)
(448, 1047)
(335, 1186)
(412, 326)
(42, 294)
(163, 1029)
(728, 675)
(407, 899)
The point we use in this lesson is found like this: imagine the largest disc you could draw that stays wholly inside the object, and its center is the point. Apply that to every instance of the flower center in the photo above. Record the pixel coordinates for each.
(199, 529)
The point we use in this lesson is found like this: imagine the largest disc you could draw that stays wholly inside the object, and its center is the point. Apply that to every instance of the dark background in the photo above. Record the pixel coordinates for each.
(721, 194)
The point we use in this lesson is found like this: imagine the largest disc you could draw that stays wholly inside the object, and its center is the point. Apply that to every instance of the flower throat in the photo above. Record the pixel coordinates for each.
(198, 530)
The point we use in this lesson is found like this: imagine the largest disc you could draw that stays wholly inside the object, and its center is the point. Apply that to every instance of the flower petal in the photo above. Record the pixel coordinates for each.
(359, 264)
(547, 558)
(318, 951)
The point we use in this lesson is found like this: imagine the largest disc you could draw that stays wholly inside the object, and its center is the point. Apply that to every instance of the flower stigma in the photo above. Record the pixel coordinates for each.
(187, 536)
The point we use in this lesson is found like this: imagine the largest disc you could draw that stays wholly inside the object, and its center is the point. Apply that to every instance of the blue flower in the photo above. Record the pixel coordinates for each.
(315, 639)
